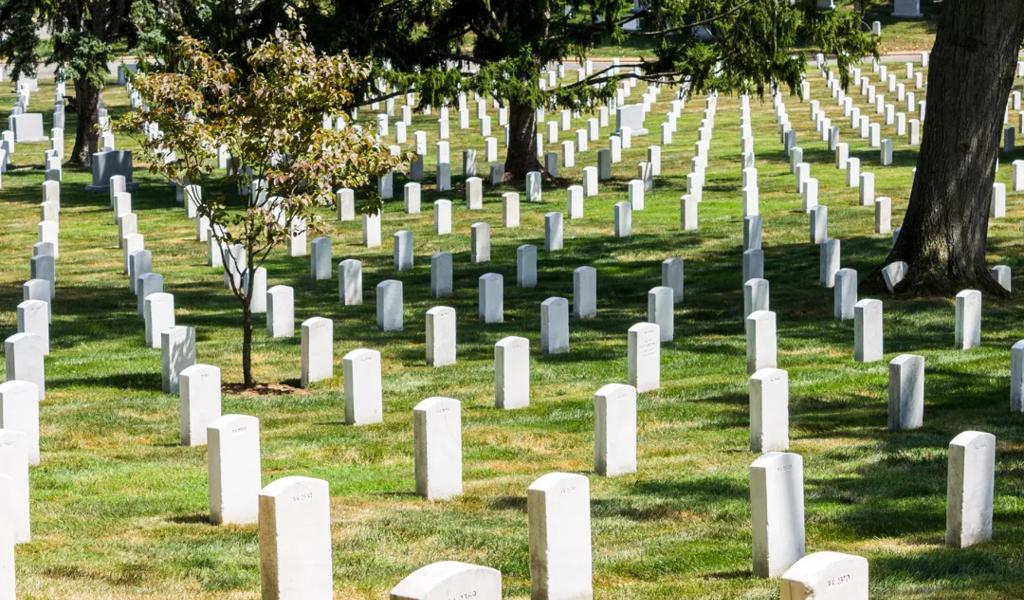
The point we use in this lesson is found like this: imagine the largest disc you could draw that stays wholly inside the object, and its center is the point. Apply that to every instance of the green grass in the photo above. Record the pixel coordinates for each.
(119, 509)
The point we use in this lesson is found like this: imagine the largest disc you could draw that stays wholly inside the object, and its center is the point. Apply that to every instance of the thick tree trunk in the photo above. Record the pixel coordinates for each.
(86, 137)
(944, 232)
(522, 141)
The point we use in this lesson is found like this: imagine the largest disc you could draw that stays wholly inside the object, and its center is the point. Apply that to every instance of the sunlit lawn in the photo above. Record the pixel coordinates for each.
(120, 509)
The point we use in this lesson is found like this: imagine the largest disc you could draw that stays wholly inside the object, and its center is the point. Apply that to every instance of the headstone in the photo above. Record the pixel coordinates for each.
(14, 463)
(512, 372)
(777, 512)
(295, 540)
(390, 305)
(28, 127)
(371, 230)
(317, 350)
(552, 231)
(108, 164)
(818, 224)
(1017, 377)
(491, 298)
(584, 293)
(199, 391)
(755, 296)
(233, 464)
(829, 260)
(753, 264)
(906, 392)
(768, 390)
(868, 338)
(33, 316)
(631, 116)
(893, 273)
(1002, 275)
(554, 326)
(827, 575)
(526, 266)
(440, 324)
(604, 164)
(19, 411)
(177, 353)
(442, 217)
(403, 250)
(281, 311)
(447, 580)
(672, 276)
(970, 487)
(752, 233)
(906, 9)
(474, 193)
(558, 509)
(480, 243)
(158, 309)
(883, 215)
(350, 282)
(320, 259)
(8, 584)
(761, 340)
(364, 401)
(575, 201)
(844, 293)
(533, 187)
(441, 285)
(615, 429)
(968, 319)
(590, 181)
(661, 311)
(346, 204)
(644, 357)
(510, 209)
(437, 430)
(688, 212)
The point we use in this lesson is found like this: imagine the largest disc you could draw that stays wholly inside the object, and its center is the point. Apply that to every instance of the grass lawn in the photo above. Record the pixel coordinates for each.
(120, 509)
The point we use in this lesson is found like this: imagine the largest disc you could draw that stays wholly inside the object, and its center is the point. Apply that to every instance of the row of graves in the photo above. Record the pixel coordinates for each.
(293, 513)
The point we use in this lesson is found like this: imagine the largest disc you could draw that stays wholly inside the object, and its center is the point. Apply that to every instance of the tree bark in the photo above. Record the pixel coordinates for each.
(522, 141)
(86, 136)
(247, 379)
(945, 229)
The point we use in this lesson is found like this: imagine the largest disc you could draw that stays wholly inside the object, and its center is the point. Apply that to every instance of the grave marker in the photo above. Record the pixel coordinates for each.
(295, 540)
(234, 472)
(777, 512)
(970, 488)
(768, 390)
(906, 392)
(615, 429)
(200, 403)
(364, 401)
(558, 508)
(437, 432)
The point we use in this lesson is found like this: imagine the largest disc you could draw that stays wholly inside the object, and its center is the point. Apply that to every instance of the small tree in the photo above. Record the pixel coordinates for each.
(284, 165)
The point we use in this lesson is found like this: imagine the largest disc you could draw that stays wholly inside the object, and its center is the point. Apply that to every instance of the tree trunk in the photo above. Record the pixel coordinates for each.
(247, 379)
(522, 141)
(944, 232)
(86, 136)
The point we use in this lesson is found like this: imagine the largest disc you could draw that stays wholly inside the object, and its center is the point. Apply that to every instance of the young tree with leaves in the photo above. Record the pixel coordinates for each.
(285, 165)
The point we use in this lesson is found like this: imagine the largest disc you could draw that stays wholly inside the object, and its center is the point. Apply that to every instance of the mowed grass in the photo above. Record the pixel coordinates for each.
(120, 509)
